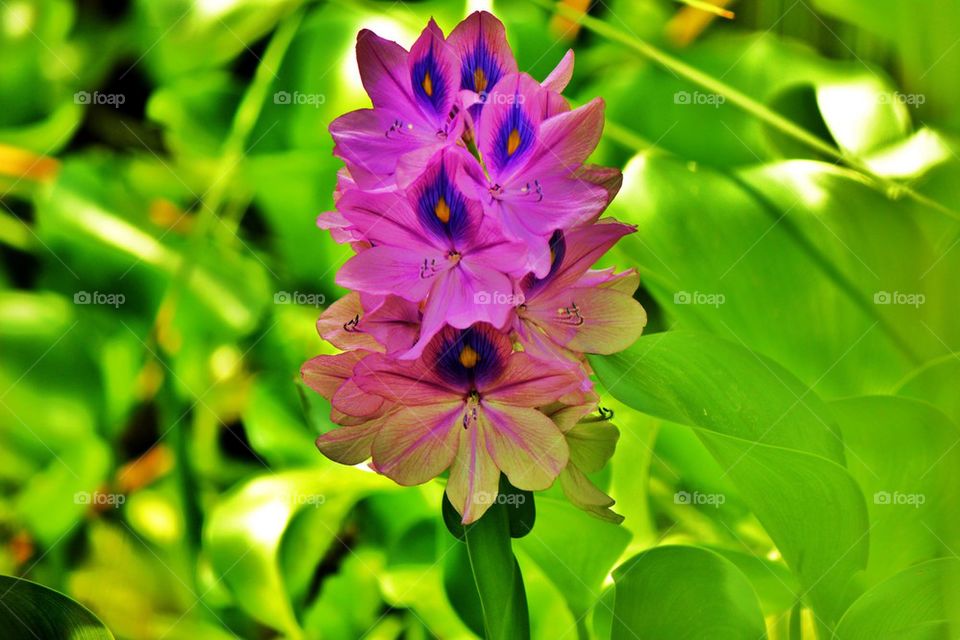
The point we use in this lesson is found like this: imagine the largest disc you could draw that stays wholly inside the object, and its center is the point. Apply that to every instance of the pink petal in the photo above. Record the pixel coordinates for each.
(385, 270)
(524, 443)
(367, 141)
(434, 73)
(583, 246)
(474, 478)
(609, 179)
(384, 218)
(339, 325)
(485, 57)
(624, 282)
(531, 213)
(463, 296)
(383, 71)
(480, 294)
(567, 139)
(418, 443)
(324, 374)
(513, 111)
(349, 445)
(407, 383)
(394, 322)
(350, 400)
(590, 320)
(529, 382)
(560, 77)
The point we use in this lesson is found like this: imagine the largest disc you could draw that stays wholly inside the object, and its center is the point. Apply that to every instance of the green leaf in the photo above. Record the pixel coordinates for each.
(919, 603)
(775, 440)
(784, 266)
(935, 382)
(922, 35)
(575, 550)
(906, 458)
(684, 593)
(246, 533)
(31, 610)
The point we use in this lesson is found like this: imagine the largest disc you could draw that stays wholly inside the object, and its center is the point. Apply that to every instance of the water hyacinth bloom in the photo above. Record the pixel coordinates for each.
(474, 224)
(415, 105)
(433, 243)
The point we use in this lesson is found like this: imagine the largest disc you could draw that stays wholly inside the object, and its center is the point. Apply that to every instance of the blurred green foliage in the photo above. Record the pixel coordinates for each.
(161, 166)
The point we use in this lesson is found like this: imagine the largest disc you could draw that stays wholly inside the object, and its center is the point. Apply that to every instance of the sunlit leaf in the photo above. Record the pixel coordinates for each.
(684, 592)
(919, 603)
(775, 440)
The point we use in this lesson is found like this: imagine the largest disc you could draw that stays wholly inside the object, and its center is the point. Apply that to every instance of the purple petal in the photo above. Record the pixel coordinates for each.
(485, 56)
(432, 65)
(510, 123)
(560, 77)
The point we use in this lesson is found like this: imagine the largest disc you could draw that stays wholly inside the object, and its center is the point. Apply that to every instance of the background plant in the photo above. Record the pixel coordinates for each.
(788, 425)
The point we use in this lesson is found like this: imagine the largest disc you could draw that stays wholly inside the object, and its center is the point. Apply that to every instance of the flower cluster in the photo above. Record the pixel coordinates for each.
(474, 222)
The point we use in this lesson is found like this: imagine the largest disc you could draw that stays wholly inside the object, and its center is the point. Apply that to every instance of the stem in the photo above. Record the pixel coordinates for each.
(796, 622)
(497, 576)
(891, 188)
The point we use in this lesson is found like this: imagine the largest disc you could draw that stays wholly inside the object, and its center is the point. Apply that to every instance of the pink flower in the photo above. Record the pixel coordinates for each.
(415, 105)
(535, 182)
(574, 309)
(474, 223)
(433, 244)
(469, 404)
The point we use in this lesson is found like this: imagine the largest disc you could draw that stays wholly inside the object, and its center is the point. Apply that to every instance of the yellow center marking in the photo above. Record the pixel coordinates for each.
(479, 80)
(427, 84)
(513, 142)
(442, 211)
(469, 357)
